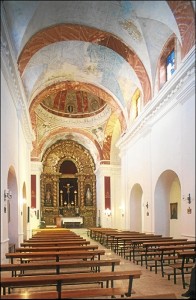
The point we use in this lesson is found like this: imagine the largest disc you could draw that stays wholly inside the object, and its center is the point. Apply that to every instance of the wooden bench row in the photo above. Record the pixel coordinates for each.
(77, 278)
(55, 255)
(58, 262)
(154, 251)
(53, 243)
(59, 267)
(69, 294)
(56, 248)
(184, 267)
(85, 293)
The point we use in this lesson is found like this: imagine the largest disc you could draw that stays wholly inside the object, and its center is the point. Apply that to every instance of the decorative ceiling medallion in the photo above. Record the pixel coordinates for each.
(73, 103)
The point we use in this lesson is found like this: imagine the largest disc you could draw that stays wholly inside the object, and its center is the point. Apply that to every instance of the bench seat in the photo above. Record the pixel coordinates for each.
(58, 267)
(67, 294)
(178, 267)
(158, 261)
(60, 279)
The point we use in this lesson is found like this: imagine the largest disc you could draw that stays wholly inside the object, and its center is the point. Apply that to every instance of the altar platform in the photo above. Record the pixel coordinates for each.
(71, 222)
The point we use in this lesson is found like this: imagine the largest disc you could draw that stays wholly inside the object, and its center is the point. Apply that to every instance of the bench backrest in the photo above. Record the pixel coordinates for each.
(56, 248)
(61, 264)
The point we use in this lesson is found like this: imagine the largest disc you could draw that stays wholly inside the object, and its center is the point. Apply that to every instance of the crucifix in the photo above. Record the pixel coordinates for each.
(68, 187)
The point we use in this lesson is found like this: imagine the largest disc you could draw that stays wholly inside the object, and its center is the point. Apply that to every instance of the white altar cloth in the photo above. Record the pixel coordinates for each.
(72, 219)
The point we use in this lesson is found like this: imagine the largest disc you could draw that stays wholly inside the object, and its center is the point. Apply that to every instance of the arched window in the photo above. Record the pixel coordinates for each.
(135, 105)
(167, 64)
(170, 64)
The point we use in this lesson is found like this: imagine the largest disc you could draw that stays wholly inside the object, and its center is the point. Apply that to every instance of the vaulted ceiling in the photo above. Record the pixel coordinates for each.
(81, 63)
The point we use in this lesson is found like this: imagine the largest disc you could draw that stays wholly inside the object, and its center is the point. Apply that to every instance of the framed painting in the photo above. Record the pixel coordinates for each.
(174, 210)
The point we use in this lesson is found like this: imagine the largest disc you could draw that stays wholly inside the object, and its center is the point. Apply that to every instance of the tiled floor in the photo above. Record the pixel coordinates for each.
(148, 284)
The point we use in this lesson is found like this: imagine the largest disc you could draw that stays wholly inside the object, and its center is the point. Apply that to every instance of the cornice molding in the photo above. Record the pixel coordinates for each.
(10, 71)
(36, 167)
(170, 95)
(104, 169)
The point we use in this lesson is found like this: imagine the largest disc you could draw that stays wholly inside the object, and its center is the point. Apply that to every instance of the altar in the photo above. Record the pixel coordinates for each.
(71, 222)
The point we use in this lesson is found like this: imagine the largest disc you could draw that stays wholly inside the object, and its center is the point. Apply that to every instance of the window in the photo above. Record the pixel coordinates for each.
(167, 62)
(170, 61)
(135, 107)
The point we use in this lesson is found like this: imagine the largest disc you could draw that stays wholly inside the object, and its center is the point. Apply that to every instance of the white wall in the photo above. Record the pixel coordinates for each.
(163, 138)
(16, 153)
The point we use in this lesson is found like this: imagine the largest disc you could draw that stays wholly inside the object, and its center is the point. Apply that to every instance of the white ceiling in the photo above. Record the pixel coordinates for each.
(142, 26)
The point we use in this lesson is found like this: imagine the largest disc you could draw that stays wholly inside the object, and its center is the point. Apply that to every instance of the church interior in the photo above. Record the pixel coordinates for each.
(97, 119)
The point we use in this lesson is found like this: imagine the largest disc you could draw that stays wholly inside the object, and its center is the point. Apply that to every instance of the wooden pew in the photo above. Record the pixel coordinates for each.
(56, 248)
(132, 245)
(69, 294)
(56, 236)
(62, 231)
(167, 256)
(59, 267)
(175, 249)
(60, 239)
(55, 231)
(66, 232)
(100, 234)
(94, 232)
(149, 250)
(119, 239)
(111, 236)
(55, 255)
(77, 278)
(184, 266)
(53, 243)
(65, 236)
(151, 247)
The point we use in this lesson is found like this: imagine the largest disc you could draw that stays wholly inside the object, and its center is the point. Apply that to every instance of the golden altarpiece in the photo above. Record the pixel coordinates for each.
(68, 183)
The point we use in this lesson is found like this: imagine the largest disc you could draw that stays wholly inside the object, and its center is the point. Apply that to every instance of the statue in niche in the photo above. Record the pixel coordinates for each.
(88, 197)
(48, 196)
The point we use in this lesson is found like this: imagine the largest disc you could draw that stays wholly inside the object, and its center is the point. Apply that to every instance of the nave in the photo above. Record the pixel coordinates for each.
(148, 284)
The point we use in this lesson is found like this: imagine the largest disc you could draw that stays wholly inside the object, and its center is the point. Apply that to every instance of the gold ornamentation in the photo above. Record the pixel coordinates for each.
(81, 157)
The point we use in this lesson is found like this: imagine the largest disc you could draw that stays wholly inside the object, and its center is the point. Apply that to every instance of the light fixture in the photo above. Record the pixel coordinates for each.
(189, 199)
(108, 212)
(7, 195)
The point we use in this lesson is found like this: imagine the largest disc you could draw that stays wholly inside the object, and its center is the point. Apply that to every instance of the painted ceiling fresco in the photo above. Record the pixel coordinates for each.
(75, 104)
(82, 62)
